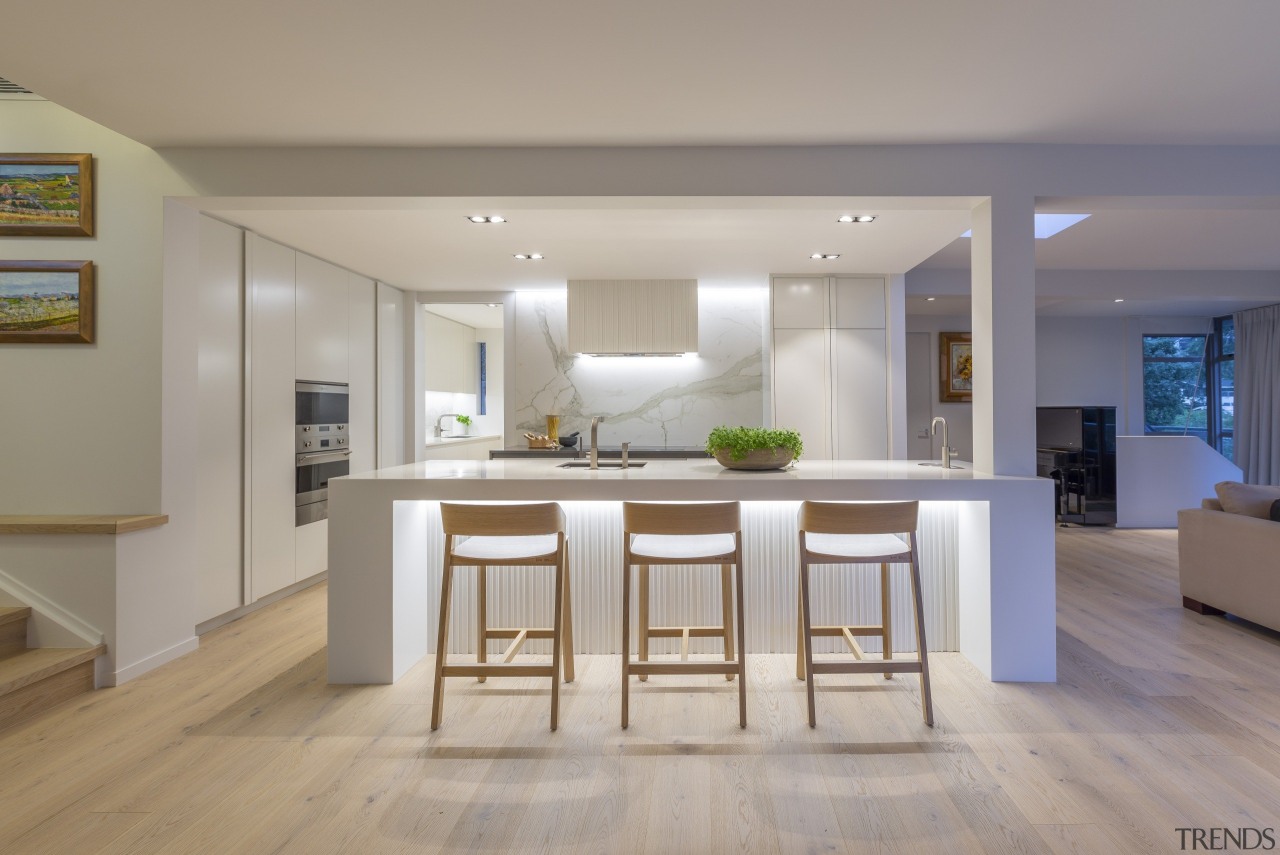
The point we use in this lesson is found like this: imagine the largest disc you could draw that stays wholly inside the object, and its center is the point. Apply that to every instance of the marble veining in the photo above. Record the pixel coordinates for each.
(657, 401)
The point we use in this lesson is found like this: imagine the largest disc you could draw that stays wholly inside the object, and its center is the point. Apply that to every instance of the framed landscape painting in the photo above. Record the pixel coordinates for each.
(46, 302)
(956, 381)
(47, 195)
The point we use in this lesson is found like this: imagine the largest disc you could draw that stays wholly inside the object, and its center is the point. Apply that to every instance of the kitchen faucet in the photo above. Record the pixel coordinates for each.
(439, 429)
(946, 449)
(595, 449)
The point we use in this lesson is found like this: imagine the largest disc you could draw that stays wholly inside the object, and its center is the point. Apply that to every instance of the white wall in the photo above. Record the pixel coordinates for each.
(495, 387)
(82, 422)
(959, 416)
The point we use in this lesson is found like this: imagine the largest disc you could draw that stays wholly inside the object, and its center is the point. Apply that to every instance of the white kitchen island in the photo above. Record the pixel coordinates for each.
(987, 544)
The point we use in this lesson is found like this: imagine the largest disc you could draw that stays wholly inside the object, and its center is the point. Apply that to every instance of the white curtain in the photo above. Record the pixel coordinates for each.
(1257, 391)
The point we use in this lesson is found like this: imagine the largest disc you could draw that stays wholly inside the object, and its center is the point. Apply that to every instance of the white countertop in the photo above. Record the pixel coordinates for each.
(695, 480)
(437, 441)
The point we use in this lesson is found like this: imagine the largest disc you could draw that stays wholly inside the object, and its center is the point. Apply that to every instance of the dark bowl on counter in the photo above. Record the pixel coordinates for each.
(569, 441)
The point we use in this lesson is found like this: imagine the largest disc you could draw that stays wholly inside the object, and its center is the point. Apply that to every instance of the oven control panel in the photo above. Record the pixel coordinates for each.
(319, 438)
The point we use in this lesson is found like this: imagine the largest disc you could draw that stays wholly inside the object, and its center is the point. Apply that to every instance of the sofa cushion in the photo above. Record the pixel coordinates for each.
(1253, 500)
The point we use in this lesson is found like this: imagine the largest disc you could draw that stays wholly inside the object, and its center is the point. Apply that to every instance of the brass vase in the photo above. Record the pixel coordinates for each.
(553, 427)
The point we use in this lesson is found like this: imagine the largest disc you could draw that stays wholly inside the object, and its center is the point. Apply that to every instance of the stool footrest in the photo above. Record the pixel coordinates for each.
(513, 631)
(841, 630)
(498, 669)
(678, 631)
(721, 667)
(870, 666)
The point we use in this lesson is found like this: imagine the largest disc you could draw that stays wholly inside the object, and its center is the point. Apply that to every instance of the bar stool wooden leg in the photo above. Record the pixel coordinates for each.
(726, 613)
(886, 617)
(568, 619)
(926, 697)
(626, 640)
(800, 638)
(806, 626)
(482, 618)
(643, 655)
(557, 640)
(437, 697)
(742, 647)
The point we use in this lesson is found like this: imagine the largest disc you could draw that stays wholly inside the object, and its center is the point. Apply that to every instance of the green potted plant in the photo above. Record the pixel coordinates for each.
(753, 447)
(465, 421)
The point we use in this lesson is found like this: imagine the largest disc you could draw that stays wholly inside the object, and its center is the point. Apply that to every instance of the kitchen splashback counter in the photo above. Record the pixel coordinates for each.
(987, 553)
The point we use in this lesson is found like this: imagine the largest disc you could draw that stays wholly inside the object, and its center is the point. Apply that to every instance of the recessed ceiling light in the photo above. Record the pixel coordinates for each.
(1120, 299)
(493, 305)
(529, 256)
(844, 219)
(824, 256)
(859, 218)
(478, 218)
(930, 299)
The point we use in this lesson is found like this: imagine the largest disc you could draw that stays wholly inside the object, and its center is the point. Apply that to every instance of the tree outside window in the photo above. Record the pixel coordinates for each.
(1175, 399)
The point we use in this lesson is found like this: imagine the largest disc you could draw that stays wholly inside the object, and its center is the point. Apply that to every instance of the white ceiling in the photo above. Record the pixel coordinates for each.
(673, 72)
(586, 72)
(482, 316)
(431, 246)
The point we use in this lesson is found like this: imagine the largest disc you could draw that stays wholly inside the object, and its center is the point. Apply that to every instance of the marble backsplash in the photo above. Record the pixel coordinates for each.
(649, 401)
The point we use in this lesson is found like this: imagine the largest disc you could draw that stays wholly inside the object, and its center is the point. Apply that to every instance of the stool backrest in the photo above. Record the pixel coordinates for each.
(859, 517)
(500, 520)
(699, 518)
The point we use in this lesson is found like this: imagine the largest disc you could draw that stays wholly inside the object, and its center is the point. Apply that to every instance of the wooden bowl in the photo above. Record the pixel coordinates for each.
(761, 458)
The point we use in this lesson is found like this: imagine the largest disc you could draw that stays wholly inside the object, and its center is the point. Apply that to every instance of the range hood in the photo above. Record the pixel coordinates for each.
(633, 317)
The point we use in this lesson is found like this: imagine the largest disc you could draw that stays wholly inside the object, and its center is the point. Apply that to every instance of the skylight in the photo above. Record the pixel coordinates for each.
(1048, 225)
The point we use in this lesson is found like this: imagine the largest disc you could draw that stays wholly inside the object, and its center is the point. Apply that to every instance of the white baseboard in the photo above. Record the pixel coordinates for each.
(239, 612)
(137, 669)
(55, 626)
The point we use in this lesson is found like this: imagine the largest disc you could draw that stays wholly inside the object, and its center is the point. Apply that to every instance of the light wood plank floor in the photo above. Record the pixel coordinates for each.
(1161, 719)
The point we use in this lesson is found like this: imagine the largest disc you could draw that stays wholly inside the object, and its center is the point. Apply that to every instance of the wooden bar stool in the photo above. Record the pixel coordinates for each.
(682, 534)
(860, 533)
(484, 536)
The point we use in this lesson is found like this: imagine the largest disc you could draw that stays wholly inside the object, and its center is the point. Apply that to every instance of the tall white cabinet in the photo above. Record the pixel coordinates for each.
(269, 411)
(830, 364)
(271, 316)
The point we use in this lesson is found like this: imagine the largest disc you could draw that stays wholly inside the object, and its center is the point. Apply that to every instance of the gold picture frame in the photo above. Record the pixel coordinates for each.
(956, 378)
(47, 302)
(46, 195)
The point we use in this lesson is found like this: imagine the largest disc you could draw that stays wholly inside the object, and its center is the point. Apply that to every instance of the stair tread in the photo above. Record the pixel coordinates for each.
(37, 663)
(11, 614)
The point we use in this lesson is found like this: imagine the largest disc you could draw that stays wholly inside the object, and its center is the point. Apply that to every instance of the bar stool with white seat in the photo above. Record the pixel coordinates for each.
(484, 536)
(656, 534)
(860, 533)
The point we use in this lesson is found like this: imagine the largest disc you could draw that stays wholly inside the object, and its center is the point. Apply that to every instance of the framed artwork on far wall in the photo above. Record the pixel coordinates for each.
(46, 195)
(46, 302)
(956, 380)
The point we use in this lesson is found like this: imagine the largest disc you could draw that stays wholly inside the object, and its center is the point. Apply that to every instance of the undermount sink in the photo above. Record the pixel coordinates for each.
(604, 464)
(929, 463)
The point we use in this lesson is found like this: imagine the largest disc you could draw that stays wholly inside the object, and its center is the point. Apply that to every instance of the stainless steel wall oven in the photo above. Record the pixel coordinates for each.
(321, 446)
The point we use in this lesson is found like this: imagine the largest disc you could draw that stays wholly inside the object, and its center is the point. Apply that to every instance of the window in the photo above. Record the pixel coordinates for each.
(1188, 385)
(1174, 385)
(1222, 386)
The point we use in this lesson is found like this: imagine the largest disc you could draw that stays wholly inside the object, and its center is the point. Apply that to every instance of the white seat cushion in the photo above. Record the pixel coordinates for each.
(855, 545)
(681, 545)
(505, 548)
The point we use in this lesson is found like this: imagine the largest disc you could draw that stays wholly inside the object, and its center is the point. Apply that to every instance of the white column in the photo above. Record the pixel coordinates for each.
(1004, 336)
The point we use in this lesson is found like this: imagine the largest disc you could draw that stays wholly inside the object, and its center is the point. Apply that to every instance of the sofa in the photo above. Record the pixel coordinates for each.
(1229, 554)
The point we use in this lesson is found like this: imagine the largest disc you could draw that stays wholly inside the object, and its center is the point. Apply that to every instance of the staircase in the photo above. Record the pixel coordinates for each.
(34, 679)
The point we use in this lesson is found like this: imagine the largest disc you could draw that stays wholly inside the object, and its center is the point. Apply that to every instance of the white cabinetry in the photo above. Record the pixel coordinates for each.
(321, 321)
(453, 365)
(830, 364)
(269, 416)
(362, 315)
(221, 431)
(391, 376)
